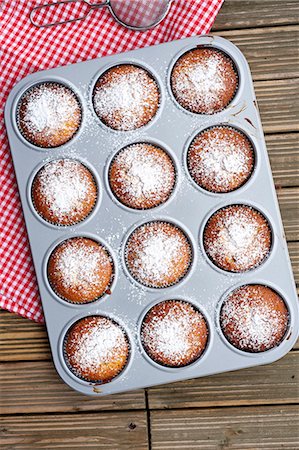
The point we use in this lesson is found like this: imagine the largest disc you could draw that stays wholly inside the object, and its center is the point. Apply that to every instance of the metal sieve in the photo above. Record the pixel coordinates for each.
(138, 15)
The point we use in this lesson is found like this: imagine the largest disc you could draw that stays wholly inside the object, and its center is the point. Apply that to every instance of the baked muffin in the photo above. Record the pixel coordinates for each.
(237, 238)
(96, 349)
(80, 270)
(220, 159)
(64, 192)
(158, 254)
(174, 333)
(126, 97)
(254, 318)
(142, 176)
(204, 80)
(49, 114)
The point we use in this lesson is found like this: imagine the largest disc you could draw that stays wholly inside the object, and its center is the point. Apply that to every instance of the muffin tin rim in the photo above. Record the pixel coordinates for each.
(133, 62)
(289, 288)
(164, 219)
(47, 79)
(201, 309)
(231, 289)
(223, 205)
(93, 172)
(63, 334)
(207, 41)
(155, 142)
(92, 236)
(252, 176)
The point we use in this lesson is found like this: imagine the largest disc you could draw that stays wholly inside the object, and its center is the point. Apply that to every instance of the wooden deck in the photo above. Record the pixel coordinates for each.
(251, 409)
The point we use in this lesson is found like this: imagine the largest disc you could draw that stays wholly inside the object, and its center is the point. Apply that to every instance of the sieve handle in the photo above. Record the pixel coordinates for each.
(53, 5)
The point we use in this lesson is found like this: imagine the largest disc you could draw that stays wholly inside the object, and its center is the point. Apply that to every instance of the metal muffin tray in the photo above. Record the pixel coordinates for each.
(206, 285)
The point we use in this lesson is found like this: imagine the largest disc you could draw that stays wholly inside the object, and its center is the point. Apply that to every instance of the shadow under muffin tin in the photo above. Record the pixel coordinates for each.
(173, 131)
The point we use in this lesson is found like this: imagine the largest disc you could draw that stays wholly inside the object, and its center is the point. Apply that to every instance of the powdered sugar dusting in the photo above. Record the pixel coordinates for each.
(142, 176)
(94, 344)
(50, 108)
(158, 254)
(174, 333)
(252, 322)
(237, 238)
(126, 97)
(67, 189)
(220, 159)
(81, 265)
(204, 80)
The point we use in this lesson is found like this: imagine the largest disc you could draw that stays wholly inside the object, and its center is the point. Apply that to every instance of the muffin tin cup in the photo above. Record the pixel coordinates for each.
(189, 208)
(209, 42)
(29, 85)
(236, 349)
(92, 212)
(111, 285)
(157, 208)
(72, 372)
(136, 63)
(259, 209)
(213, 193)
(206, 350)
(192, 263)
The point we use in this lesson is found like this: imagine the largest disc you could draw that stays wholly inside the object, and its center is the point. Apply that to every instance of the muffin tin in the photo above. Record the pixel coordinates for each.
(189, 207)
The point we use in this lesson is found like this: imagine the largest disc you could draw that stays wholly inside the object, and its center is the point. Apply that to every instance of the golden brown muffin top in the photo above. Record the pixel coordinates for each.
(49, 114)
(158, 254)
(204, 80)
(126, 97)
(254, 318)
(80, 270)
(96, 349)
(64, 192)
(174, 333)
(237, 238)
(220, 159)
(142, 176)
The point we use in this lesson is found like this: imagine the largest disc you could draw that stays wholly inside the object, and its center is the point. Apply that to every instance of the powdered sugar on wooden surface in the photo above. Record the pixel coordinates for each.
(126, 100)
(237, 236)
(176, 335)
(142, 176)
(252, 322)
(220, 159)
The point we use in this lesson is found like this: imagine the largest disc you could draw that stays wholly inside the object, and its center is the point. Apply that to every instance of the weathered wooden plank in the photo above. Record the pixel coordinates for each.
(256, 13)
(123, 430)
(279, 104)
(294, 256)
(289, 207)
(283, 150)
(264, 385)
(21, 339)
(267, 428)
(40, 390)
(272, 53)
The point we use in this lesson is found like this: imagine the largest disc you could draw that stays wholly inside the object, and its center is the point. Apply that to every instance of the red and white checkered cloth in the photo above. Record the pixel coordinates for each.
(25, 49)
